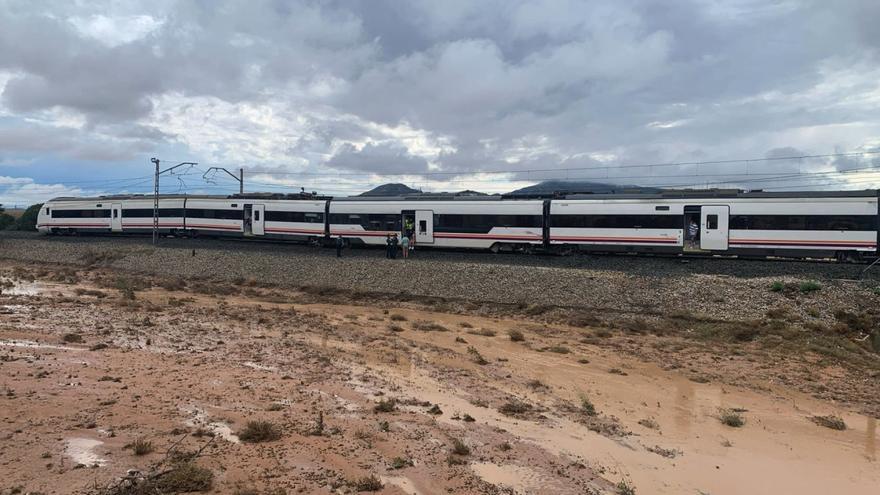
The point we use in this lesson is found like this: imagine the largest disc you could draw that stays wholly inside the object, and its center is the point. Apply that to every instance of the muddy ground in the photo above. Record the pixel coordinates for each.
(422, 395)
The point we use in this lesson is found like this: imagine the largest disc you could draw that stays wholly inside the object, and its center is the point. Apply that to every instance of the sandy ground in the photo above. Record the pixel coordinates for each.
(182, 366)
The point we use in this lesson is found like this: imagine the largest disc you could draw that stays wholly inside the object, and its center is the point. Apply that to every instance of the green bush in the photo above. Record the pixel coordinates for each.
(777, 286)
(28, 219)
(809, 286)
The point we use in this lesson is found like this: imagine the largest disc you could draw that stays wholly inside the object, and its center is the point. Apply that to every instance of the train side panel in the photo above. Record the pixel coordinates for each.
(294, 220)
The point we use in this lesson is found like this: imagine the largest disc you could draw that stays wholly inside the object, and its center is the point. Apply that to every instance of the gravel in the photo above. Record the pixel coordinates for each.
(722, 288)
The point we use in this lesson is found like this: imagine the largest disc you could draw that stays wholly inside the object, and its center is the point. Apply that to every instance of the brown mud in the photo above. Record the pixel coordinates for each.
(91, 361)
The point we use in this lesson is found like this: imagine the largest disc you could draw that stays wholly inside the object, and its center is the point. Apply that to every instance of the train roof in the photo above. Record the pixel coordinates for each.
(669, 194)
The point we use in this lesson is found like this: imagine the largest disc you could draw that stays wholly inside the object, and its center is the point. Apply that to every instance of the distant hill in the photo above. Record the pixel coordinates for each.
(394, 189)
(565, 186)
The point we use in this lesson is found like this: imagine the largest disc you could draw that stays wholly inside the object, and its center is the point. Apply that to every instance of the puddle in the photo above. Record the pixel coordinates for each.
(82, 451)
(219, 428)
(257, 366)
(790, 452)
(405, 484)
(20, 287)
(10, 309)
(518, 478)
(29, 344)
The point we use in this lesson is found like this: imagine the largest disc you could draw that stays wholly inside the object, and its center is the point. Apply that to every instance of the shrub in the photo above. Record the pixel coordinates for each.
(809, 286)
(260, 431)
(476, 356)
(185, 477)
(72, 338)
(395, 328)
(732, 418)
(142, 446)
(559, 349)
(368, 484)
(516, 335)
(429, 326)
(587, 406)
(514, 407)
(649, 423)
(830, 421)
(624, 488)
(485, 332)
(397, 317)
(459, 447)
(385, 405)
(777, 286)
(400, 463)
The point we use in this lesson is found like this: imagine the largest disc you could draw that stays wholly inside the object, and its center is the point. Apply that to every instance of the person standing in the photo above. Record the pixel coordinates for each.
(404, 245)
(340, 243)
(394, 244)
(388, 246)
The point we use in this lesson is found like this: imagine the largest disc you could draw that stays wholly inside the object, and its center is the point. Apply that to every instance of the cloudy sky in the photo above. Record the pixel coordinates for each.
(339, 96)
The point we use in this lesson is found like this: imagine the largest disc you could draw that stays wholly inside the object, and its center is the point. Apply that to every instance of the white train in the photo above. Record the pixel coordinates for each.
(807, 224)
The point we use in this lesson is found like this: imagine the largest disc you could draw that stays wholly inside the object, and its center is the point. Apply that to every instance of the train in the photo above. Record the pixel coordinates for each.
(839, 224)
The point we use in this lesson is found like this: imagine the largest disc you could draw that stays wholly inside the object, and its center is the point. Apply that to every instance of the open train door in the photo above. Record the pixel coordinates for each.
(258, 220)
(424, 227)
(714, 232)
(116, 217)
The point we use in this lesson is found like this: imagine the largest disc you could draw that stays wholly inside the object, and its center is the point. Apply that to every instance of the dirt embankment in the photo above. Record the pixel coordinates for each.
(359, 391)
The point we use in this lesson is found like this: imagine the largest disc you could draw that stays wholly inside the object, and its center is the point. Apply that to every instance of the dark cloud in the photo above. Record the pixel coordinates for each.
(565, 85)
(379, 159)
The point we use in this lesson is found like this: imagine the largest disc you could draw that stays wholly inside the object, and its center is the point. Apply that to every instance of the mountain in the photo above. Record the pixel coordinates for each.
(573, 186)
(391, 190)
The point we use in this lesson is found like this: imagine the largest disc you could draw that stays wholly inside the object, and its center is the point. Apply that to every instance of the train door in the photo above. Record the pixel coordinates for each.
(116, 217)
(248, 219)
(424, 227)
(259, 220)
(713, 227)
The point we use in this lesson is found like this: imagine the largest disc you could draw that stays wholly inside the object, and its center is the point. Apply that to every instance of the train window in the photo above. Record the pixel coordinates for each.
(712, 222)
(218, 214)
(256, 215)
(483, 223)
(115, 213)
(47, 211)
(81, 214)
(369, 221)
(617, 221)
(804, 222)
(294, 216)
(423, 225)
(148, 212)
(661, 208)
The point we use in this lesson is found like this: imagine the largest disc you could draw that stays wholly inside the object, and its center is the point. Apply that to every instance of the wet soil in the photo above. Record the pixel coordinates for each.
(91, 361)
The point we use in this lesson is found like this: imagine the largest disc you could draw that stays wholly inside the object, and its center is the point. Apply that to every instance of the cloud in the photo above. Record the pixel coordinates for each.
(458, 87)
(379, 159)
(23, 191)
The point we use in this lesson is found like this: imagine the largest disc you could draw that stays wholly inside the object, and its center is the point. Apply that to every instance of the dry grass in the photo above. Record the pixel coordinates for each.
(830, 421)
(516, 335)
(731, 418)
(259, 431)
(368, 484)
(186, 477)
(459, 447)
(429, 326)
(514, 407)
(397, 317)
(477, 357)
(72, 338)
(385, 405)
(142, 447)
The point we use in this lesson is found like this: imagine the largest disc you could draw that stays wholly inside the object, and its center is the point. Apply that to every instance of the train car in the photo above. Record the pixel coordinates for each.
(841, 224)
(488, 223)
(220, 215)
(814, 224)
(295, 220)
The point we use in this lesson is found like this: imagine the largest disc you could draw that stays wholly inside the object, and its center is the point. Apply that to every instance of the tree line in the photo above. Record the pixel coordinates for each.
(27, 221)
